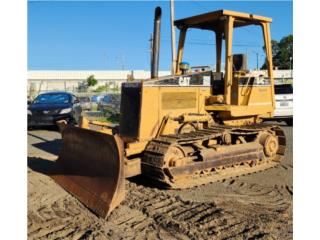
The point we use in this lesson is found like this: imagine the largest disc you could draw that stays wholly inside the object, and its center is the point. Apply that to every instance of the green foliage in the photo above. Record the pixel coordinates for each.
(101, 89)
(281, 53)
(94, 107)
(115, 118)
(112, 118)
(91, 81)
(116, 89)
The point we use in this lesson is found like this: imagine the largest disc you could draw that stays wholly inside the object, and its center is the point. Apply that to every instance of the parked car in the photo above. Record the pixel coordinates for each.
(48, 108)
(96, 98)
(110, 103)
(85, 103)
(284, 103)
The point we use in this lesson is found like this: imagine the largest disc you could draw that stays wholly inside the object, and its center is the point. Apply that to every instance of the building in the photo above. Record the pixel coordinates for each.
(57, 80)
(278, 74)
(45, 81)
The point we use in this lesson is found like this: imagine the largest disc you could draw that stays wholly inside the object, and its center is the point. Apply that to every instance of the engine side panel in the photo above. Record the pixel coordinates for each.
(160, 101)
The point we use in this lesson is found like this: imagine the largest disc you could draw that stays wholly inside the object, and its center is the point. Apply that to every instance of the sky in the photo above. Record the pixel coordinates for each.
(114, 35)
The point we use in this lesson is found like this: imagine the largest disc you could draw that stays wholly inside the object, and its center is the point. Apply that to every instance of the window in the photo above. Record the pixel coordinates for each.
(201, 42)
(283, 89)
(254, 80)
(54, 98)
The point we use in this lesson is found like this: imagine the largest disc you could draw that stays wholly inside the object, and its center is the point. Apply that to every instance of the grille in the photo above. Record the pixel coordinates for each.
(45, 112)
(130, 109)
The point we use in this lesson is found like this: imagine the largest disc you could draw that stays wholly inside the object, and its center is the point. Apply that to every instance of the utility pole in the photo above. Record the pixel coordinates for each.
(173, 38)
(257, 60)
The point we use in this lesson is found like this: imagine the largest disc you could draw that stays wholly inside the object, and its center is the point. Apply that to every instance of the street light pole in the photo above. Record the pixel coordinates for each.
(257, 59)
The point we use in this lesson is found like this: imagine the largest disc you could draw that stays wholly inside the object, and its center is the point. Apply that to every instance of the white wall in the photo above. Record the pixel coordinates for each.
(42, 81)
(277, 73)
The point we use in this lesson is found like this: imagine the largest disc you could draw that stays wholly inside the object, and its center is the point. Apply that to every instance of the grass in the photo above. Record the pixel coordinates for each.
(110, 119)
(106, 116)
(94, 107)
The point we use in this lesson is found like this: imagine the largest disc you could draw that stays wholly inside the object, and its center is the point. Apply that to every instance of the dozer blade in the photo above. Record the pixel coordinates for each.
(90, 167)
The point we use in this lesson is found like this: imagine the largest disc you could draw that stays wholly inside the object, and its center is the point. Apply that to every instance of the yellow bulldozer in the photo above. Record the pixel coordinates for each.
(182, 130)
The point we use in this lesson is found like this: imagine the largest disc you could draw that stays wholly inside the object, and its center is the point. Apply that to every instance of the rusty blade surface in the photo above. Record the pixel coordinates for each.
(90, 167)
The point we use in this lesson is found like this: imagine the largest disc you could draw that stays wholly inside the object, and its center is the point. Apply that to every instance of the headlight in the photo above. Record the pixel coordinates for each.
(66, 110)
(29, 112)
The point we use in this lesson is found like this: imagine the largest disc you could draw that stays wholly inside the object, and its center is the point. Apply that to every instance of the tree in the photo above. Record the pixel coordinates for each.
(91, 81)
(282, 53)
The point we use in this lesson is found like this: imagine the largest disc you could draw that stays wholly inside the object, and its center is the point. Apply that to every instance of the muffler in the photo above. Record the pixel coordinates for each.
(156, 43)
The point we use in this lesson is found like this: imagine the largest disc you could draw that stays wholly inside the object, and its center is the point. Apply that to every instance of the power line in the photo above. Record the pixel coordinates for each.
(213, 44)
(195, 42)
(206, 9)
(165, 37)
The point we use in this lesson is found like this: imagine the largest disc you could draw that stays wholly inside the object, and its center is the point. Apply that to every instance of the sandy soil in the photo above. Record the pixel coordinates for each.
(255, 206)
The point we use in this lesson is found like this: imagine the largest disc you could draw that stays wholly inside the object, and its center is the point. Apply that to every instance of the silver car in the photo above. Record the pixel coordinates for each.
(85, 103)
(284, 103)
(110, 103)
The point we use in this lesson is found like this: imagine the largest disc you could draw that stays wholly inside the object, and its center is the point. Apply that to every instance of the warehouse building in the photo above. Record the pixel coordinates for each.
(58, 80)
(44, 81)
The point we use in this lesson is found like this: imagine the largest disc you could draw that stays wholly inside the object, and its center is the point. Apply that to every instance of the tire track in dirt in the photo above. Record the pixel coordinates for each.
(182, 219)
(149, 213)
(53, 213)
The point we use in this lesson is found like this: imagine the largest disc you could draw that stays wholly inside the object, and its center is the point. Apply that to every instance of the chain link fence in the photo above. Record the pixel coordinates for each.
(101, 103)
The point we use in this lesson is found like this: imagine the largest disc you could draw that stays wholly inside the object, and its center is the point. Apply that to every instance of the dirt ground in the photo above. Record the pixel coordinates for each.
(255, 206)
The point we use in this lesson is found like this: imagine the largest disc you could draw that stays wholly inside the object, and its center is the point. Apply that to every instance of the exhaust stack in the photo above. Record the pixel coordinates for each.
(156, 43)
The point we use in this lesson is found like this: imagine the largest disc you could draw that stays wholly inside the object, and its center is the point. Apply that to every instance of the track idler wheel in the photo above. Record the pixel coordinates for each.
(270, 144)
(175, 157)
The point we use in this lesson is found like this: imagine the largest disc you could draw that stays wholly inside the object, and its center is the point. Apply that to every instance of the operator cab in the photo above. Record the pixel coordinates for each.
(235, 92)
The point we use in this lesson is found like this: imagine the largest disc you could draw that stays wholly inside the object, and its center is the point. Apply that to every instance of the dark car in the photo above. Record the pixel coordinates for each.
(48, 108)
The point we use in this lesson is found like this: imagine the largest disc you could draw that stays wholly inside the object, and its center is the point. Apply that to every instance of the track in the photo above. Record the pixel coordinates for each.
(155, 162)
